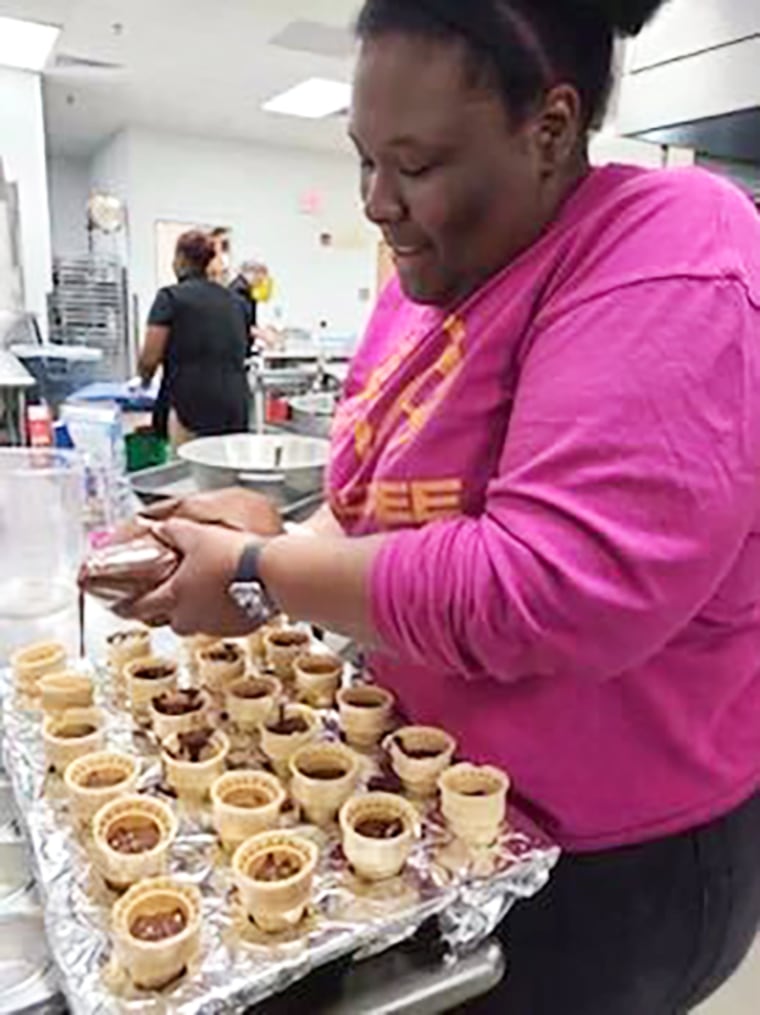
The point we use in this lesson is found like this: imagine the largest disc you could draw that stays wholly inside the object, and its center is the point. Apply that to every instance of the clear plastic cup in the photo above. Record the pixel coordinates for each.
(42, 542)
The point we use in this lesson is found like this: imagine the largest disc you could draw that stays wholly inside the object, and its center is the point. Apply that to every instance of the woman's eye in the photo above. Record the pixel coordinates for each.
(414, 173)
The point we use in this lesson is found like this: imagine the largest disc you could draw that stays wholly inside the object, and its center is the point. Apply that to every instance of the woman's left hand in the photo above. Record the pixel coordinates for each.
(196, 598)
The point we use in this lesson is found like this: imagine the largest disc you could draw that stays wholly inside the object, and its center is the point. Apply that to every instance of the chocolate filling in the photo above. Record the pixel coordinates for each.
(252, 691)
(134, 835)
(122, 637)
(223, 654)
(326, 773)
(177, 703)
(319, 667)
(76, 731)
(418, 753)
(103, 778)
(387, 782)
(159, 926)
(247, 798)
(289, 639)
(195, 746)
(153, 672)
(274, 866)
(380, 828)
(359, 700)
(476, 792)
(287, 726)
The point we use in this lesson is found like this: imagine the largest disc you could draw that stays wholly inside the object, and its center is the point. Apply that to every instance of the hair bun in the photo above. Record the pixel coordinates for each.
(626, 17)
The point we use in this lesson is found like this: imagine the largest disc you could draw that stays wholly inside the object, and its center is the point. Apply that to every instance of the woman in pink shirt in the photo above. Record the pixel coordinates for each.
(544, 493)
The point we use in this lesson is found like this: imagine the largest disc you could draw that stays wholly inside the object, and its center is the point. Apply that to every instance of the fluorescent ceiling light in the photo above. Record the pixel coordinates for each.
(26, 45)
(312, 99)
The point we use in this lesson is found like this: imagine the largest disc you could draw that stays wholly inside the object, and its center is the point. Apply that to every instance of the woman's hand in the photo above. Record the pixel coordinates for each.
(196, 598)
(233, 508)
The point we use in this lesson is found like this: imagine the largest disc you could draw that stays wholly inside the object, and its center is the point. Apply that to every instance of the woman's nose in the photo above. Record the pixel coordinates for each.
(382, 200)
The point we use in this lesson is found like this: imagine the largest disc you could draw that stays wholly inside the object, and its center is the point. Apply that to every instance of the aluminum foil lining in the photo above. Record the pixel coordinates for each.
(239, 966)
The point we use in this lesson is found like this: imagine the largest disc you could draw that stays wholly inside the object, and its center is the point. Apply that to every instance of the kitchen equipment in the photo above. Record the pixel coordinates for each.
(312, 415)
(58, 370)
(41, 541)
(281, 466)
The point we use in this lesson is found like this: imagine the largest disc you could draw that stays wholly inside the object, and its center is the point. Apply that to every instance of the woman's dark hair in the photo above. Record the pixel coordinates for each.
(525, 47)
(196, 249)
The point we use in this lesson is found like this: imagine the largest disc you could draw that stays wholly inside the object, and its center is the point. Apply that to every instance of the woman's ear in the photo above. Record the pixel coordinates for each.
(558, 128)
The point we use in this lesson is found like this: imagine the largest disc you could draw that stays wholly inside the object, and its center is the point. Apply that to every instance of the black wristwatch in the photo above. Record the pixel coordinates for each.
(248, 589)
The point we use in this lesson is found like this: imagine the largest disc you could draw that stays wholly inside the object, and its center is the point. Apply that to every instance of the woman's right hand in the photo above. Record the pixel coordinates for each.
(233, 508)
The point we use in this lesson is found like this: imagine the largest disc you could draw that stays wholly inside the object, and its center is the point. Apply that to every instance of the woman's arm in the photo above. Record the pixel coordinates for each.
(152, 352)
(627, 486)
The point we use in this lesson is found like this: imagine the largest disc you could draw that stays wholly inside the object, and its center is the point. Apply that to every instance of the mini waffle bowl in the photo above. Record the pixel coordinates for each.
(324, 776)
(146, 678)
(30, 663)
(474, 802)
(278, 746)
(379, 832)
(192, 780)
(95, 779)
(283, 645)
(71, 735)
(251, 700)
(157, 931)
(64, 690)
(245, 803)
(257, 648)
(419, 755)
(366, 714)
(274, 874)
(132, 816)
(220, 664)
(166, 724)
(318, 678)
(192, 645)
(124, 647)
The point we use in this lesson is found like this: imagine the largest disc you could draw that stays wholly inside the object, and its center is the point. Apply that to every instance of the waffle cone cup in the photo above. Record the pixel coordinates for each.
(257, 648)
(62, 746)
(62, 691)
(34, 661)
(244, 804)
(474, 802)
(218, 674)
(365, 714)
(120, 870)
(142, 690)
(246, 711)
(165, 726)
(323, 777)
(283, 646)
(153, 964)
(275, 905)
(280, 747)
(376, 859)
(420, 775)
(192, 780)
(124, 647)
(120, 771)
(318, 678)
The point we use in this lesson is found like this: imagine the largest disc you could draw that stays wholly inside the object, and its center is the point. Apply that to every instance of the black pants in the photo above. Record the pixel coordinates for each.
(647, 930)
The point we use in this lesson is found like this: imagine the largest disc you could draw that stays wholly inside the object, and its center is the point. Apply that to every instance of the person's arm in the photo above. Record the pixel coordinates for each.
(152, 352)
(156, 336)
(627, 486)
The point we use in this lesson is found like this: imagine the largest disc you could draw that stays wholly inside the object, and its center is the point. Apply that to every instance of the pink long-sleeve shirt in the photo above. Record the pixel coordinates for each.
(569, 466)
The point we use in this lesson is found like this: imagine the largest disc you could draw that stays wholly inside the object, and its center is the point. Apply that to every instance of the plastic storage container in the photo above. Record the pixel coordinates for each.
(42, 542)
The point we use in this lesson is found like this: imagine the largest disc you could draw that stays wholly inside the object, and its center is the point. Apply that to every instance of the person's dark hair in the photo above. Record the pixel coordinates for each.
(196, 249)
(524, 46)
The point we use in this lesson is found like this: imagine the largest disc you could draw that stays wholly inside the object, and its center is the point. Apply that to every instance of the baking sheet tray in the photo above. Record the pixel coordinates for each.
(239, 966)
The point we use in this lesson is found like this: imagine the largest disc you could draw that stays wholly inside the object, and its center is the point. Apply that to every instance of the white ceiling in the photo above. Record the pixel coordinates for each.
(192, 66)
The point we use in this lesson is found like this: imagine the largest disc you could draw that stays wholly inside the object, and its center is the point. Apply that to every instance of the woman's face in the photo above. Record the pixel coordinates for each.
(457, 190)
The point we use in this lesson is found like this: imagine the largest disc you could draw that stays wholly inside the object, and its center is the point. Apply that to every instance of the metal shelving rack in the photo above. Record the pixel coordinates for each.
(89, 306)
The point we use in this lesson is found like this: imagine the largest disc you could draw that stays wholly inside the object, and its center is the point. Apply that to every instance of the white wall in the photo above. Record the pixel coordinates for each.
(22, 149)
(69, 183)
(256, 191)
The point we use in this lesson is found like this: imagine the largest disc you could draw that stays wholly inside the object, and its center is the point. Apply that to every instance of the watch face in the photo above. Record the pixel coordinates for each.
(252, 600)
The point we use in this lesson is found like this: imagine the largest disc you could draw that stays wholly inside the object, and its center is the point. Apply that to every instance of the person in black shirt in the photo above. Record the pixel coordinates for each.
(198, 332)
